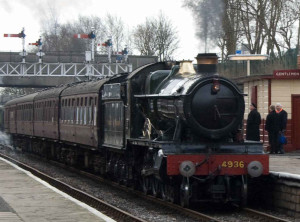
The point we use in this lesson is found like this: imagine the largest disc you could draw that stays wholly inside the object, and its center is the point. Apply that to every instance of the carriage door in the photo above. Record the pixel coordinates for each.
(113, 115)
(296, 121)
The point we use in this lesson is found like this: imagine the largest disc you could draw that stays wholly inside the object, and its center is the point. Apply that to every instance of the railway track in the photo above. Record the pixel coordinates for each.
(120, 215)
(263, 216)
(111, 211)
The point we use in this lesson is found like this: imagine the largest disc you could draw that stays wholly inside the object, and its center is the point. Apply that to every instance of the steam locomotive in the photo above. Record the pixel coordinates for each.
(173, 131)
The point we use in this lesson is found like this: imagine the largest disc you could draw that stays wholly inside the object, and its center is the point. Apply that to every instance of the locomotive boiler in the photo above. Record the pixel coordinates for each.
(196, 99)
(171, 130)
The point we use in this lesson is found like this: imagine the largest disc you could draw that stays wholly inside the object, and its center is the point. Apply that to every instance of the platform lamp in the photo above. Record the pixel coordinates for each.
(248, 58)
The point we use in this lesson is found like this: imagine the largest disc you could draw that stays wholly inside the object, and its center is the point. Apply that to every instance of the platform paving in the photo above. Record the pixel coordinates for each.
(286, 163)
(23, 197)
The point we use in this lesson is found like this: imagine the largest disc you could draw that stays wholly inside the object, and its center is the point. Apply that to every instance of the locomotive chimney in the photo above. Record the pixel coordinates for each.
(207, 63)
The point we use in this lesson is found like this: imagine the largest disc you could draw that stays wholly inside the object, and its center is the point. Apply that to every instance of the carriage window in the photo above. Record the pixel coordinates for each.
(77, 115)
(90, 111)
(84, 115)
(90, 108)
(95, 115)
(81, 113)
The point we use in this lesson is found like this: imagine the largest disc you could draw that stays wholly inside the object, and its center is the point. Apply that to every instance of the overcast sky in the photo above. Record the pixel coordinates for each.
(15, 14)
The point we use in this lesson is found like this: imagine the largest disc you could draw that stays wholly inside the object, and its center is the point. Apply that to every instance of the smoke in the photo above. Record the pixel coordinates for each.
(5, 138)
(42, 10)
(208, 15)
(5, 4)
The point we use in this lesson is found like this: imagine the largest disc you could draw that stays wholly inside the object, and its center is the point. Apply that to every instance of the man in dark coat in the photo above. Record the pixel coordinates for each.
(272, 128)
(253, 122)
(282, 121)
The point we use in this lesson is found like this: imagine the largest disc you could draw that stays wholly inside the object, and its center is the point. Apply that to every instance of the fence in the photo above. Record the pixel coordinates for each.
(236, 69)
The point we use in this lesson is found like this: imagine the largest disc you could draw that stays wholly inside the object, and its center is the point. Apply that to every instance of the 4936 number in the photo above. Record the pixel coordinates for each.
(233, 164)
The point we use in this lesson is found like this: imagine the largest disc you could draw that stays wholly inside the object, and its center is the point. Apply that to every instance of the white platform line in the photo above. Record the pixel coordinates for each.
(91, 209)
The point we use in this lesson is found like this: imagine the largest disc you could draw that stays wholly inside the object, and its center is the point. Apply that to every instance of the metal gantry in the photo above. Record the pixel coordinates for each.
(63, 69)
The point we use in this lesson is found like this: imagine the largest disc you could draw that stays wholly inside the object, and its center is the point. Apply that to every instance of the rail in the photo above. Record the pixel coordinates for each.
(111, 211)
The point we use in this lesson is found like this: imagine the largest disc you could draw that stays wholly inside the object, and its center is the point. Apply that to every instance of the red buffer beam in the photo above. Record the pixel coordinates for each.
(33, 44)
(81, 36)
(12, 35)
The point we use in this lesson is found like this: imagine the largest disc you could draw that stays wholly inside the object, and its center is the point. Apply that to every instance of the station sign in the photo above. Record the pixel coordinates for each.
(287, 74)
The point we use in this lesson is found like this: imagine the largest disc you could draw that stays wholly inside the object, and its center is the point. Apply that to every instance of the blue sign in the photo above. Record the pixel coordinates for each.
(119, 58)
(238, 52)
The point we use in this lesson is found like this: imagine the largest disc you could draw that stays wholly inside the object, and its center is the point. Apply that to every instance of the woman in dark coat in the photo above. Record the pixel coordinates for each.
(253, 122)
(272, 128)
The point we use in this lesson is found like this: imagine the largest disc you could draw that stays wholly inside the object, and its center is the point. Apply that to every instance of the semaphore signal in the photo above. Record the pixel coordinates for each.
(20, 35)
(91, 36)
(108, 44)
(81, 36)
(12, 35)
(39, 44)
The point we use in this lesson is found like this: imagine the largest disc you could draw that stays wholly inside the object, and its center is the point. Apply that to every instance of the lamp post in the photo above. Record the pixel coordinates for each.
(248, 58)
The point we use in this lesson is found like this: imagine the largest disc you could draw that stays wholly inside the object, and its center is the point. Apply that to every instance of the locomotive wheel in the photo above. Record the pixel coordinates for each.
(185, 195)
(163, 189)
(155, 187)
(172, 194)
(184, 199)
(244, 194)
(146, 185)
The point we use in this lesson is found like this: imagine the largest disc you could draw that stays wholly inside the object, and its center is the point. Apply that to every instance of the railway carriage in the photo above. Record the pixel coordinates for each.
(79, 114)
(19, 117)
(172, 130)
(10, 124)
(46, 113)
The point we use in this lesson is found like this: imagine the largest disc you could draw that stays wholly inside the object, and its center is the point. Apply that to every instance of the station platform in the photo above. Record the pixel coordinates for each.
(26, 198)
(288, 163)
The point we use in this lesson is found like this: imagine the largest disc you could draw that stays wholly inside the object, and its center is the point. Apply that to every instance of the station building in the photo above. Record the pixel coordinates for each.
(281, 87)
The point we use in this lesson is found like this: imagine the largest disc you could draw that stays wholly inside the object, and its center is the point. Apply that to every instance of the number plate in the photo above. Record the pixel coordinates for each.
(233, 164)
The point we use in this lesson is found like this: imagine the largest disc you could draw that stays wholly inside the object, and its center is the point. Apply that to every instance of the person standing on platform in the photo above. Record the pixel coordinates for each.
(253, 122)
(282, 121)
(272, 128)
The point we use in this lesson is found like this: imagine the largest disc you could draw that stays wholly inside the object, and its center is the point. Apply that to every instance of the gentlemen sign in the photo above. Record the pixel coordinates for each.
(287, 74)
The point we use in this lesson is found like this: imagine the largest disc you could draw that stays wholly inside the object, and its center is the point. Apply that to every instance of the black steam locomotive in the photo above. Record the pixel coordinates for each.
(170, 130)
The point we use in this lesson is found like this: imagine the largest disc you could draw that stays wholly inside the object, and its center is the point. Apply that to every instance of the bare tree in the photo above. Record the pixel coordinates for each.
(129, 40)
(252, 27)
(258, 24)
(286, 24)
(231, 25)
(114, 27)
(166, 38)
(14, 91)
(50, 29)
(144, 38)
(156, 37)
